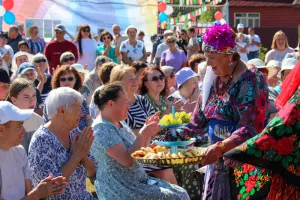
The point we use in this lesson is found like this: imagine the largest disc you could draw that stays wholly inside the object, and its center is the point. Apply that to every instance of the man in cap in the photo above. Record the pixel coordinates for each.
(14, 37)
(7, 53)
(57, 47)
(4, 84)
(163, 46)
(14, 168)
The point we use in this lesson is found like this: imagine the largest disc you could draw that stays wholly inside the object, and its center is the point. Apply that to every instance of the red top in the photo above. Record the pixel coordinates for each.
(54, 50)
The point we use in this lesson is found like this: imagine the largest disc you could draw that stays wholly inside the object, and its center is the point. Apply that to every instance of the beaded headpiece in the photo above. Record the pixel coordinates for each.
(219, 39)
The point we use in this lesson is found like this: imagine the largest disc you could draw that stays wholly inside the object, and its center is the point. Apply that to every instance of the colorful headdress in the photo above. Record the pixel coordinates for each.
(219, 39)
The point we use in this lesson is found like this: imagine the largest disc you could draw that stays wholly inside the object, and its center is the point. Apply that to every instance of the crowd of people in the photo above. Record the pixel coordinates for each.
(75, 110)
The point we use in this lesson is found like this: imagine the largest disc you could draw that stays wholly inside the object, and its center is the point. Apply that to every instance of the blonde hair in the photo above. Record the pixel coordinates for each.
(277, 34)
(119, 71)
(31, 29)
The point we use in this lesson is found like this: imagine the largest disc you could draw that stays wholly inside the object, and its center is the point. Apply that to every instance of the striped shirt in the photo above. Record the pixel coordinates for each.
(36, 46)
(138, 112)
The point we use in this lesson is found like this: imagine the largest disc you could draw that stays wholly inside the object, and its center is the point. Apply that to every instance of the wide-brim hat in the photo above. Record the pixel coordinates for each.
(184, 75)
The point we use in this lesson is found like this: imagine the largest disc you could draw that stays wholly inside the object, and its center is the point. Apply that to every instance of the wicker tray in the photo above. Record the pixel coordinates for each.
(168, 161)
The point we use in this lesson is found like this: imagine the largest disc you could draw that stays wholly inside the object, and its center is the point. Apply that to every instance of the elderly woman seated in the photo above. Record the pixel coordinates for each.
(60, 149)
(118, 177)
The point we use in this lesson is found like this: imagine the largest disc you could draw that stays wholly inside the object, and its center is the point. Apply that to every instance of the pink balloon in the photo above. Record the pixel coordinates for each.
(218, 15)
(162, 7)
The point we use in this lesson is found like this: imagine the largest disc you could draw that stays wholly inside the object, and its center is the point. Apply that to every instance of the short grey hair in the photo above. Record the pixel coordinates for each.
(116, 25)
(64, 55)
(167, 70)
(100, 60)
(61, 97)
(39, 56)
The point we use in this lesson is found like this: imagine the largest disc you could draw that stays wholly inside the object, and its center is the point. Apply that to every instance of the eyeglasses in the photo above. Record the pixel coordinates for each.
(157, 78)
(86, 30)
(67, 79)
(68, 59)
(41, 60)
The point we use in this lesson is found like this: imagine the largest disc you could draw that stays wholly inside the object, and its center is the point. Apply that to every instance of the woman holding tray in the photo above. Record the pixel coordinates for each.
(231, 109)
(118, 176)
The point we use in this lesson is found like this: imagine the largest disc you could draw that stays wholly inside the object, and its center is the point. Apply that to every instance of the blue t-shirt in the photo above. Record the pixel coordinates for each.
(111, 53)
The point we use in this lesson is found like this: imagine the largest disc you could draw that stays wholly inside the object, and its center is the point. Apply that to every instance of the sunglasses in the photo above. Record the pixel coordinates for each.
(104, 38)
(86, 30)
(68, 59)
(157, 78)
(67, 79)
(172, 41)
(40, 60)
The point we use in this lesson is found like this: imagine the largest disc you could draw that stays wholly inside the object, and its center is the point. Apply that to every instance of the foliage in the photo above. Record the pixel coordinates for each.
(208, 16)
(262, 52)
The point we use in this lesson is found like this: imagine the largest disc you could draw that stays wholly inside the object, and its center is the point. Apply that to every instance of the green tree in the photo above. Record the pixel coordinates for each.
(208, 16)
(262, 53)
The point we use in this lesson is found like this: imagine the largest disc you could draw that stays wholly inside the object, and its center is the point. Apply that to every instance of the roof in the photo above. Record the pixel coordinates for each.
(263, 3)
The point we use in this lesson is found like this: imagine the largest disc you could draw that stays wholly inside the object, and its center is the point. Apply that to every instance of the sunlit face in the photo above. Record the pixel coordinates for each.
(172, 80)
(130, 82)
(183, 35)
(240, 30)
(155, 81)
(218, 62)
(72, 115)
(131, 33)
(59, 34)
(106, 38)
(240, 38)
(121, 106)
(68, 79)
(30, 75)
(116, 30)
(251, 31)
(141, 37)
(26, 99)
(191, 84)
(190, 34)
(85, 32)
(3, 41)
(12, 132)
(4, 88)
(171, 43)
(285, 73)
(273, 78)
(40, 64)
(280, 42)
(13, 34)
(24, 48)
(21, 59)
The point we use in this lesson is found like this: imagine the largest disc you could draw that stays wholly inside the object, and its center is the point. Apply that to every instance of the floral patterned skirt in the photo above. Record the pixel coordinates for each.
(281, 190)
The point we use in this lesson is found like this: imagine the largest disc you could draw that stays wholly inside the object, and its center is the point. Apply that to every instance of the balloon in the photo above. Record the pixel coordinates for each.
(8, 4)
(162, 7)
(218, 15)
(218, 22)
(169, 10)
(2, 11)
(162, 17)
(9, 17)
(223, 21)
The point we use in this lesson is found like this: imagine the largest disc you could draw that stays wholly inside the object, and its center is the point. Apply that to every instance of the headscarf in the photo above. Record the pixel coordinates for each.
(14, 66)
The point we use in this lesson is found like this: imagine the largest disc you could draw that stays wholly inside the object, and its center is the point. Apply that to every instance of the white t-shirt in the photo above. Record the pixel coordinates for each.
(134, 53)
(89, 52)
(274, 54)
(3, 50)
(253, 47)
(14, 171)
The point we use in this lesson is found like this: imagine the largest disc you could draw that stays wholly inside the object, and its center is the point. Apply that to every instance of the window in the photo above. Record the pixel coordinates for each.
(248, 19)
(45, 26)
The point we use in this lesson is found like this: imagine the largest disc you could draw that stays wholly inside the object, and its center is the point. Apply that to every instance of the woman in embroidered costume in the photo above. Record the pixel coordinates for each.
(278, 147)
(231, 109)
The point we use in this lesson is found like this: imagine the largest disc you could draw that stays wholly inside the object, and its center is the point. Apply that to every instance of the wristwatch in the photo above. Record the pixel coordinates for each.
(222, 146)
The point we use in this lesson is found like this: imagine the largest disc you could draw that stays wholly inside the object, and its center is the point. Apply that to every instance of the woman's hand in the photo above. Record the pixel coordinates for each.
(42, 76)
(50, 186)
(150, 129)
(212, 154)
(178, 105)
(153, 118)
(82, 143)
(189, 106)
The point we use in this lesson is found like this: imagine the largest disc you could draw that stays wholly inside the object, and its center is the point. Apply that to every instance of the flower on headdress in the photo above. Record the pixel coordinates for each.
(220, 37)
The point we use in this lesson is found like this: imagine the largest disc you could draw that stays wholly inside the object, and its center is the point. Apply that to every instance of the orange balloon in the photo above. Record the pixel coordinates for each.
(218, 15)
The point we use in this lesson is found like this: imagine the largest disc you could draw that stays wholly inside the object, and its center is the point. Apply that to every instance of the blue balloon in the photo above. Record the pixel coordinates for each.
(9, 18)
(218, 22)
(162, 16)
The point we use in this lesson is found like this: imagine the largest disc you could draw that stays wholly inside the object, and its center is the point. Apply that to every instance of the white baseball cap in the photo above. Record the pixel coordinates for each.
(9, 112)
(240, 26)
(288, 63)
(80, 68)
(168, 32)
(258, 63)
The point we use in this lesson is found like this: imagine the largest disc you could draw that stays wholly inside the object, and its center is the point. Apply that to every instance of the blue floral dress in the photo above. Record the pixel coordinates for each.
(83, 119)
(47, 155)
(117, 182)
